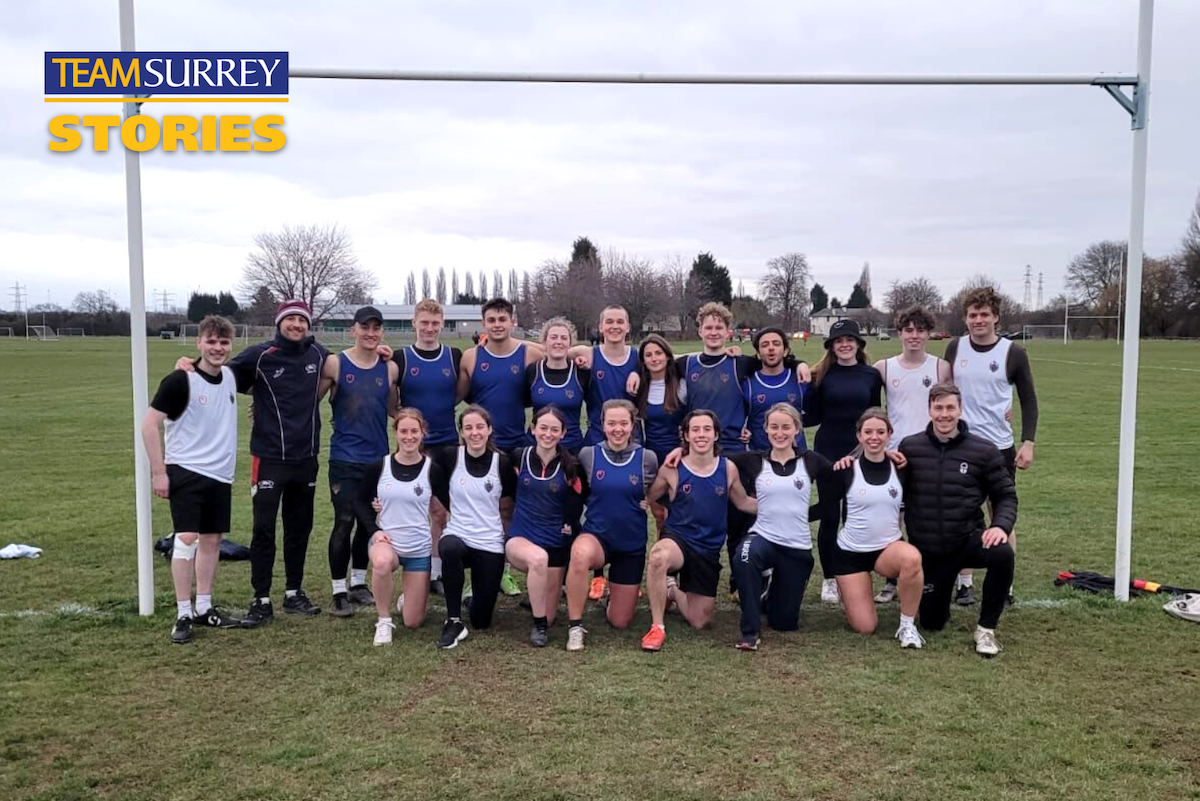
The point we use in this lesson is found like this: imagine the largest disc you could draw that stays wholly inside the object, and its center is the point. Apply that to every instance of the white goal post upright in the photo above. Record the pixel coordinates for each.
(1136, 106)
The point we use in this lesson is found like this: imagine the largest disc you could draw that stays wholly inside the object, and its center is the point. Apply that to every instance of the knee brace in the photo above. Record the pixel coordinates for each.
(183, 551)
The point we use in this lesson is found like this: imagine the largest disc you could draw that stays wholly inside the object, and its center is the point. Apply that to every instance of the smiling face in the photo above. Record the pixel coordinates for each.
(429, 329)
(981, 322)
(618, 428)
(873, 435)
(557, 341)
(914, 337)
(655, 359)
(771, 350)
(214, 349)
(409, 436)
(499, 324)
(845, 349)
(701, 434)
(294, 327)
(475, 432)
(714, 332)
(548, 432)
(614, 325)
(781, 430)
(367, 335)
(945, 413)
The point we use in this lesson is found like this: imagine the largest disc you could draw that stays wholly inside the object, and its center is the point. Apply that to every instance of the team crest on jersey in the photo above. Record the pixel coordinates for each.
(963, 363)
(599, 475)
(484, 367)
(893, 491)
(418, 490)
(554, 488)
(414, 371)
(927, 381)
(349, 378)
(446, 372)
(760, 398)
(686, 488)
(599, 374)
(791, 396)
(514, 369)
(724, 378)
(798, 483)
(719, 490)
(387, 485)
(310, 369)
(462, 482)
(993, 366)
(962, 468)
(541, 390)
(633, 480)
(488, 486)
(895, 382)
(527, 481)
(231, 400)
(862, 491)
(695, 377)
(378, 381)
(202, 400)
(278, 372)
(570, 394)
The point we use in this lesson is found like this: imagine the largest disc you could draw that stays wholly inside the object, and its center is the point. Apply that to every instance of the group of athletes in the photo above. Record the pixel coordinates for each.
(711, 444)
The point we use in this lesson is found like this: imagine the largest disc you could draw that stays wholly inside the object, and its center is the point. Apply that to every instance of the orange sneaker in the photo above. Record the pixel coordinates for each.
(655, 637)
(596, 590)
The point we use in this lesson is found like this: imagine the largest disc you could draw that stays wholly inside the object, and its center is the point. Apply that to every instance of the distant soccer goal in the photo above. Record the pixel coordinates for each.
(1058, 332)
(6, 332)
(44, 333)
(189, 331)
(71, 332)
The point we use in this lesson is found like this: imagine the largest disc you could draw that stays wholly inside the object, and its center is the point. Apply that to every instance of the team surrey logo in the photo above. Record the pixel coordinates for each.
(798, 483)
(893, 491)
(927, 382)
(143, 77)
(993, 366)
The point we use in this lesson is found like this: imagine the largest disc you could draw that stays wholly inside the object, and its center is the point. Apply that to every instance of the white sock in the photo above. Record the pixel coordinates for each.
(266, 600)
(289, 593)
(184, 608)
(203, 603)
(358, 578)
(339, 585)
(385, 620)
(982, 630)
(906, 621)
(964, 581)
(435, 572)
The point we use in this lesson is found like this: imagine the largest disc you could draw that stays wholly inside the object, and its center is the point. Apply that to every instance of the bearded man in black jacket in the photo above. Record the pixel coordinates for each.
(950, 474)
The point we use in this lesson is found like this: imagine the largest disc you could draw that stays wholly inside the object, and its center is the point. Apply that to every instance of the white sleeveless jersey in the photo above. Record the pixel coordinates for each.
(908, 396)
(986, 393)
(405, 514)
(204, 438)
(872, 513)
(475, 506)
(783, 507)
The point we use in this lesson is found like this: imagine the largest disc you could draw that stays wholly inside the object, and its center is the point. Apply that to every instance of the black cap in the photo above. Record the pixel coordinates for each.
(844, 328)
(770, 329)
(366, 314)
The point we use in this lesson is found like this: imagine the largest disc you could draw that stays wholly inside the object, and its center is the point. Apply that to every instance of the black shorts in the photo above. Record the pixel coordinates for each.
(1010, 461)
(846, 562)
(701, 572)
(199, 504)
(556, 557)
(344, 480)
(624, 568)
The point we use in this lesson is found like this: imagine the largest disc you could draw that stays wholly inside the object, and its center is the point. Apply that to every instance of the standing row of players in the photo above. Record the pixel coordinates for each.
(289, 376)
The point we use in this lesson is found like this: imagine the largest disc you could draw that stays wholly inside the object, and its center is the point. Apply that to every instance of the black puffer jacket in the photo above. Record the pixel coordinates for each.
(946, 484)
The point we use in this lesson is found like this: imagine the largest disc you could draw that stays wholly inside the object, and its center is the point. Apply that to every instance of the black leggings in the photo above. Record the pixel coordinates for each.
(791, 568)
(828, 510)
(486, 571)
(344, 482)
(292, 486)
(942, 568)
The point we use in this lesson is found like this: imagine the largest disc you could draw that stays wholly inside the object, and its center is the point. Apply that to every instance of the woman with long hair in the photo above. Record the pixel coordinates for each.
(406, 487)
(661, 402)
(547, 502)
(844, 386)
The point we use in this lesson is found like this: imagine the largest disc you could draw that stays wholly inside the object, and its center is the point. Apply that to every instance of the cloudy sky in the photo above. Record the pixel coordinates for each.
(936, 181)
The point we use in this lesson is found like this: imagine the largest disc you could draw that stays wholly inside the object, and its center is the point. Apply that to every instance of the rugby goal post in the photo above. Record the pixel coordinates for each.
(43, 333)
(1135, 103)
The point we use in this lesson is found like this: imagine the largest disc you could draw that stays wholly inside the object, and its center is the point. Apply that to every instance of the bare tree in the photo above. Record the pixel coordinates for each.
(469, 285)
(785, 289)
(1092, 272)
(633, 282)
(314, 263)
(440, 286)
(1164, 290)
(454, 285)
(498, 284)
(410, 290)
(483, 284)
(97, 303)
(513, 288)
(913, 292)
(952, 318)
(1190, 257)
(426, 284)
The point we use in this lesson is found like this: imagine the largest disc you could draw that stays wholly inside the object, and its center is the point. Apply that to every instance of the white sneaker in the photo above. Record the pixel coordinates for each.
(985, 642)
(829, 591)
(575, 638)
(1186, 607)
(383, 632)
(400, 603)
(909, 637)
(887, 594)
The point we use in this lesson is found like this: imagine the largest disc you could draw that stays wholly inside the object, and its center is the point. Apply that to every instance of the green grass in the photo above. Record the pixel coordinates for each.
(1091, 698)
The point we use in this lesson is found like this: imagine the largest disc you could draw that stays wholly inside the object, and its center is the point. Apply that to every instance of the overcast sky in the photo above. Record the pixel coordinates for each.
(934, 181)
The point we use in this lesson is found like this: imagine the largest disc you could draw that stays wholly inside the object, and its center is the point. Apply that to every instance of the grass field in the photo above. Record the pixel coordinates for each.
(1091, 698)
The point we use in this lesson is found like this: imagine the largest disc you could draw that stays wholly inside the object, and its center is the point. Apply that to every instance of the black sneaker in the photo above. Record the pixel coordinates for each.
(525, 603)
(299, 604)
(260, 612)
(964, 596)
(539, 637)
(341, 605)
(181, 632)
(453, 633)
(216, 619)
(361, 596)
(436, 587)
(1009, 600)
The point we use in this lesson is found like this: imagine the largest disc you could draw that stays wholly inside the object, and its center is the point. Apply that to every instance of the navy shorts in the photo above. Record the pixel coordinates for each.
(558, 556)
(624, 568)
(701, 572)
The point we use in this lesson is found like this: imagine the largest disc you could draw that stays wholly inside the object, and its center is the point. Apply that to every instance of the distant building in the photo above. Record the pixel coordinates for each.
(867, 319)
(463, 320)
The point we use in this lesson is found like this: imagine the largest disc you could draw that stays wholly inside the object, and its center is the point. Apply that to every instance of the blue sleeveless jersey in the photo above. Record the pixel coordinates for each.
(697, 514)
(568, 397)
(662, 429)
(716, 389)
(430, 386)
(539, 512)
(360, 419)
(608, 382)
(761, 393)
(498, 385)
(614, 513)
